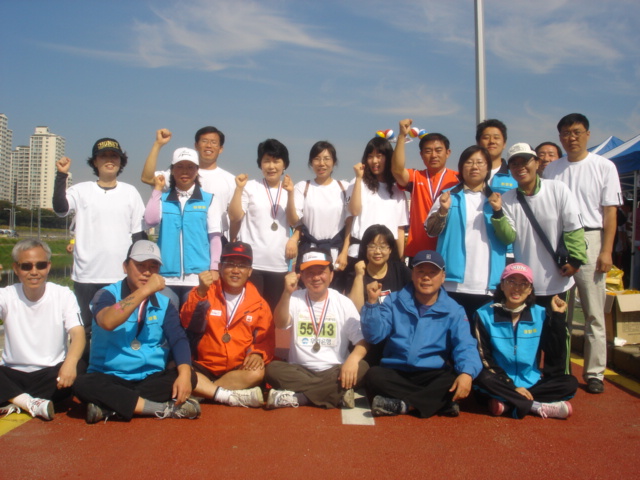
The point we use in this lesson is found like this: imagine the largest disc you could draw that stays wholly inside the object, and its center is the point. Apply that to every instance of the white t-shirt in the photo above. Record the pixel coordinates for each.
(324, 209)
(105, 221)
(476, 244)
(341, 326)
(593, 180)
(220, 183)
(268, 245)
(35, 333)
(378, 208)
(556, 210)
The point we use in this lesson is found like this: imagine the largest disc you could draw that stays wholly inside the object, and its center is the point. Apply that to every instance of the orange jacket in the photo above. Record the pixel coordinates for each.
(251, 329)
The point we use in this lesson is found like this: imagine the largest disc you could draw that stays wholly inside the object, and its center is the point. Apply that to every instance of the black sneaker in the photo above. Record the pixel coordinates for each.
(96, 413)
(451, 409)
(383, 406)
(595, 385)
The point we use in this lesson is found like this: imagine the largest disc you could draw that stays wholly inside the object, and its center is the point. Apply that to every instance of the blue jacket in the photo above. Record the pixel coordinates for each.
(514, 352)
(195, 256)
(438, 338)
(161, 332)
(451, 242)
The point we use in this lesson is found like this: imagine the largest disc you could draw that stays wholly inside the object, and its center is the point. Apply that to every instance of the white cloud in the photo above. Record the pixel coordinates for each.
(412, 101)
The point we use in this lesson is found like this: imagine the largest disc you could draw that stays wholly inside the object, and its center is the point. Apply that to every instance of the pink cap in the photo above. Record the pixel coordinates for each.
(518, 269)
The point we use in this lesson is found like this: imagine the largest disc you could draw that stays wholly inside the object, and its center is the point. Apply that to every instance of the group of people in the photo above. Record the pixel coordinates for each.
(493, 250)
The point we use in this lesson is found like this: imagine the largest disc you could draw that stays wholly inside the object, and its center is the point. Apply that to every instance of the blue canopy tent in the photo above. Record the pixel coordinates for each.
(626, 158)
(608, 144)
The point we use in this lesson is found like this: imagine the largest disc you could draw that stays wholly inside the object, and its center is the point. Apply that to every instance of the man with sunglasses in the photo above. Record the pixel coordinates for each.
(37, 367)
(231, 330)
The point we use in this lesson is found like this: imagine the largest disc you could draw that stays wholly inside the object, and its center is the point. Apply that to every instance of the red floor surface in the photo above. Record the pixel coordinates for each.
(600, 440)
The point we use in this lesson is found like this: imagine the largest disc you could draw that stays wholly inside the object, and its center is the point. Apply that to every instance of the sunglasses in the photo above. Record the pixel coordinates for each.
(28, 266)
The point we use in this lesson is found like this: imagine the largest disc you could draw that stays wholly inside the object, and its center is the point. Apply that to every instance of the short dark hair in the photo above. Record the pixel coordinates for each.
(274, 148)
(123, 163)
(500, 297)
(383, 146)
(210, 129)
(572, 119)
(434, 137)
(320, 147)
(466, 154)
(491, 122)
(370, 234)
(544, 144)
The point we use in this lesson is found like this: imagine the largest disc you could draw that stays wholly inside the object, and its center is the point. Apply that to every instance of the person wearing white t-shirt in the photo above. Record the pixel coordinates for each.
(261, 207)
(556, 210)
(319, 209)
(209, 143)
(108, 219)
(374, 198)
(37, 366)
(323, 324)
(595, 183)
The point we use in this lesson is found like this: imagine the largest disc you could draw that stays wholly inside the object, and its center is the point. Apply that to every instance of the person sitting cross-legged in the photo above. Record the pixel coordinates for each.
(231, 329)
(136, 329)
(37, 367)
(430, 357)
(512, 334)
(323, 324)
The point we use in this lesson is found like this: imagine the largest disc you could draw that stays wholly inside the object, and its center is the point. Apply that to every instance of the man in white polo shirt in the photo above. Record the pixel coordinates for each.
(595, 183)
(37, 366)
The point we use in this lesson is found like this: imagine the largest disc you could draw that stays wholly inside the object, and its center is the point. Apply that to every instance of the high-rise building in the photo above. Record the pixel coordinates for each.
(34, 168)
(6, 139)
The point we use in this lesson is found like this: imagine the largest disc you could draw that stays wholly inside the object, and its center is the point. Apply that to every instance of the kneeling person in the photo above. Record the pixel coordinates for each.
(37, 367)
(135, 330)
(231, 329)
(430, 357)
(323, 323)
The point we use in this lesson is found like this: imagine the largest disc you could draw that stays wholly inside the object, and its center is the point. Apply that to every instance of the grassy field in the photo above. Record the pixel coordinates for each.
(59, 256)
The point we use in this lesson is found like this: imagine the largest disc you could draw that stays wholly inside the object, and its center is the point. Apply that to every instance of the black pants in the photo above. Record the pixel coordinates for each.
(269, 284)
(120, 395)
(470, 302)
(550, 389)
(39, 384)
(425, 390)
(84, 294)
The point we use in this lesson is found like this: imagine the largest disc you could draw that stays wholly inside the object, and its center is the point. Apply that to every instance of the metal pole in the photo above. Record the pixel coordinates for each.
(480, 69)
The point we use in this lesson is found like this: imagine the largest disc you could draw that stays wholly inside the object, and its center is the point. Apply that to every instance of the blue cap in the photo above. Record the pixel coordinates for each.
(428, 256)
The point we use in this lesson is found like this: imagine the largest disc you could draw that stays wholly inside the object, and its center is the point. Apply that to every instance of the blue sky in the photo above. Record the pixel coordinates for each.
(302, 71)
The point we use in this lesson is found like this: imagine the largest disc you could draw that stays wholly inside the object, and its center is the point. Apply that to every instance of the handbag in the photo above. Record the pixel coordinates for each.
(560, 255)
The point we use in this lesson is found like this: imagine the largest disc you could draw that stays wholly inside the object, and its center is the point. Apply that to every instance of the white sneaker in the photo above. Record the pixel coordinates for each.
(555, 410)
(250, 397)
(39, 407)
(281, 399)
(9, 409)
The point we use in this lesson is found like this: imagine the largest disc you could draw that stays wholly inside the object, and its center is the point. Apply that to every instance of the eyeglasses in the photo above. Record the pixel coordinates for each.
(213, 143)
(572, 133)
(326, 159)
(28, 266)
(381, 248)
(514, 284)
(475, 163)
(243, 267)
